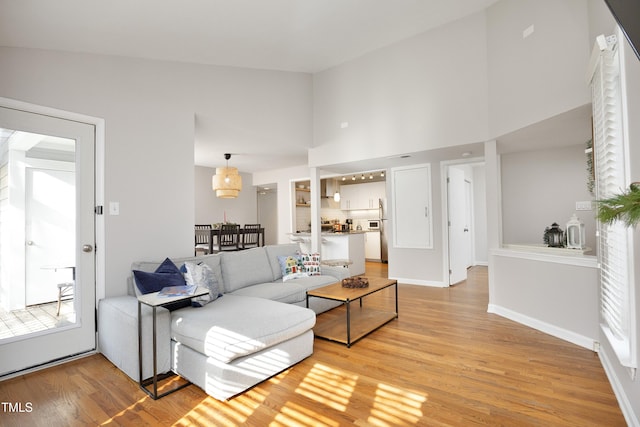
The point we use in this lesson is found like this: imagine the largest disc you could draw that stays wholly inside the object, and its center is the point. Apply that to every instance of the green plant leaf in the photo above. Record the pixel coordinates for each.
(623, 207)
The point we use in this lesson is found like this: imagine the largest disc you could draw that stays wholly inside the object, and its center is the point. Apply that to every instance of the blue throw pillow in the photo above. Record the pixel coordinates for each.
(167, 274)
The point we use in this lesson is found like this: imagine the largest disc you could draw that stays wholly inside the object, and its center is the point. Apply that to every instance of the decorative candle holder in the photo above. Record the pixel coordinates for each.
(575, 233)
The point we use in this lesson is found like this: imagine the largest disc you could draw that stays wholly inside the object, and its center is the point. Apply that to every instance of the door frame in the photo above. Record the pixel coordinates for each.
(444, 173)
(100, 251)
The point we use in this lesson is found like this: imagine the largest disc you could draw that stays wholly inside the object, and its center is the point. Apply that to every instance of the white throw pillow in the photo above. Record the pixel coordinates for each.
(202, 275)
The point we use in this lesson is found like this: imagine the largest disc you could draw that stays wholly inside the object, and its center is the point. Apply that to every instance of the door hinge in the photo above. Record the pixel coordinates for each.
(98, 210)
(450, 272)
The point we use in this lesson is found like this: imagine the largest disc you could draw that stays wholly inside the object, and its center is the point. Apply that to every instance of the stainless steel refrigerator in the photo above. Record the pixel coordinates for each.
(382, 216)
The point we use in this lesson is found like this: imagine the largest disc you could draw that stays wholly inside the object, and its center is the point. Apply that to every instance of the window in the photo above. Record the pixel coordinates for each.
(616, 301)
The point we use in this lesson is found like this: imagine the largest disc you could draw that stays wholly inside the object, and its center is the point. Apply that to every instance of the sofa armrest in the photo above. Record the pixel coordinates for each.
(118, 335)
(337, 272)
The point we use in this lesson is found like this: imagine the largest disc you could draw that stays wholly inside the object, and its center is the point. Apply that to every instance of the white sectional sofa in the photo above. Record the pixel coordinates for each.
(258, 327)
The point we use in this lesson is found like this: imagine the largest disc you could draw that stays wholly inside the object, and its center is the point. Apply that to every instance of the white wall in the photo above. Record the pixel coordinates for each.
(268, 216)
(540, 76)
(425, 92)
(149, 109)
(209, 209)
(480, 214)
(559, 297)
(542, 187)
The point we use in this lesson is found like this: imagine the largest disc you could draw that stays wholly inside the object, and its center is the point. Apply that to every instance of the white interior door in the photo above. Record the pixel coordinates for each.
(50, 213)
(458, 227)
(34, 238)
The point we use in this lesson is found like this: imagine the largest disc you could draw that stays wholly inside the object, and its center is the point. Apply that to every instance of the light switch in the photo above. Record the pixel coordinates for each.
(114, 208)
(584, 206)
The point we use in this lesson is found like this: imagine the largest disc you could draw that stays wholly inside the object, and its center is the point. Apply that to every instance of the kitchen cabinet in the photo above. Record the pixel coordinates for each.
(372, 246)
(412, 213)
(362, 196)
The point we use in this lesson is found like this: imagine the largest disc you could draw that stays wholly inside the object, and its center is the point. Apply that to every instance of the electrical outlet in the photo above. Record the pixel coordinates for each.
(584, 206)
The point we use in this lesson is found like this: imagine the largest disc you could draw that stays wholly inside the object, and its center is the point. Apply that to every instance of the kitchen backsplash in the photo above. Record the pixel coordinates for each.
(329, 211)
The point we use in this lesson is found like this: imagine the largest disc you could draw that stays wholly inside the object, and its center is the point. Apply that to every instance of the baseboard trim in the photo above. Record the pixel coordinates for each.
(547, 328)
(618, 390)
(420, 282)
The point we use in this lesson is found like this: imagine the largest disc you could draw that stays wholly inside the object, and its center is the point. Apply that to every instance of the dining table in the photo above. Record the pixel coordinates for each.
(214, 233)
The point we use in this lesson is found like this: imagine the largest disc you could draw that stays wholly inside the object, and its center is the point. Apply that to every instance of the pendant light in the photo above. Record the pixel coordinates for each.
(227, 183)
(336, 195)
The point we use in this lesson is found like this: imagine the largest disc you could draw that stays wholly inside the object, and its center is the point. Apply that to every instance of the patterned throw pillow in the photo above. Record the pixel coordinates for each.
(311, 264)
(201, 275)
(292, 267)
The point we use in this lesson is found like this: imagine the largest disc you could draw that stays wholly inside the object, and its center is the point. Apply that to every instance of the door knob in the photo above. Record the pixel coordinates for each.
(87, 248)
(30, 243)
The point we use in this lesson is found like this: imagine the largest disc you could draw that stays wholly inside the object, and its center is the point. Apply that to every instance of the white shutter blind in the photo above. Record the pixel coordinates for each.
(613, 242)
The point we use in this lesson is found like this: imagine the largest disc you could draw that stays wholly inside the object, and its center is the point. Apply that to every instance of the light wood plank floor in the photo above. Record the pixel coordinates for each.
(444, 362)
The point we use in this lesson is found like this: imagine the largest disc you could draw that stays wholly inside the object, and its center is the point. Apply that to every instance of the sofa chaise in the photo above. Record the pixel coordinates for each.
(255, 326)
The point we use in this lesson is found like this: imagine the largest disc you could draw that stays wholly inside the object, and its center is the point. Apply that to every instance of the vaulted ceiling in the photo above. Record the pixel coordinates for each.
(290, 35)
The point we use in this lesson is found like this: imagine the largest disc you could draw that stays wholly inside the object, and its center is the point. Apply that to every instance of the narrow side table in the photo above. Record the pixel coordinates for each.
(154, 301)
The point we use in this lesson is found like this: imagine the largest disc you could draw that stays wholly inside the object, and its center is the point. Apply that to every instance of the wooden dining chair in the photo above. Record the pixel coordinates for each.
(228, 238)
(251, 236)
(202, 236)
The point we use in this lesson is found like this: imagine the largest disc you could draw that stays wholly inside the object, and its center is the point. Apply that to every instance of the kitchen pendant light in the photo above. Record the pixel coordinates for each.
(227, 183)
(336, 195)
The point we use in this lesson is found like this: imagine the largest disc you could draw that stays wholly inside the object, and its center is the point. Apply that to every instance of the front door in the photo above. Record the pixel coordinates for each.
(47, 236)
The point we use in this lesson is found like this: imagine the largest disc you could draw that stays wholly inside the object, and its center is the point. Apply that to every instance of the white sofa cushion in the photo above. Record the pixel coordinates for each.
(234, 326)
(274, 251)
(275, 291)
(245, 268)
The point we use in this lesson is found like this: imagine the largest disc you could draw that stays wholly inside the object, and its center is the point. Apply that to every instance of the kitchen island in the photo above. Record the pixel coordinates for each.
(347, 245)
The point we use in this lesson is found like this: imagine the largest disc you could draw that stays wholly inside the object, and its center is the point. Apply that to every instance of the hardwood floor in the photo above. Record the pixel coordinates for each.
(444, 362)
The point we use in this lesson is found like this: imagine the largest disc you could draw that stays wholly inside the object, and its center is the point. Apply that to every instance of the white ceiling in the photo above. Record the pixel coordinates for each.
(291, 35)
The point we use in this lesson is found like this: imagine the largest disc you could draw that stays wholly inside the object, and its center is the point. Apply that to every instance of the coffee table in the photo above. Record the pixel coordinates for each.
(361, 320)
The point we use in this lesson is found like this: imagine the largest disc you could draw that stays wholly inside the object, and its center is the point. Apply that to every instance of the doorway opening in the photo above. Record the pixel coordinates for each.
(464, 213)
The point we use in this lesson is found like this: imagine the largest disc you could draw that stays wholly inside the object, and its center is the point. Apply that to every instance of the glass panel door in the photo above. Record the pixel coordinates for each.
(47, 264)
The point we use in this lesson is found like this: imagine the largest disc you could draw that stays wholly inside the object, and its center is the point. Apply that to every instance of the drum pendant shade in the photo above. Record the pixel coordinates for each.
(227, 183)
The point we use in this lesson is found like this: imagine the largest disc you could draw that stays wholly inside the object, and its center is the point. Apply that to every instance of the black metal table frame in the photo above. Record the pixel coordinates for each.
(144, 383)
(347, 303)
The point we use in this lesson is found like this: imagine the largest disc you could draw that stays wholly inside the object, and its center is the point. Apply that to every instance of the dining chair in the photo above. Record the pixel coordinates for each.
(228, 238)
(251, 236)
(202, 236)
